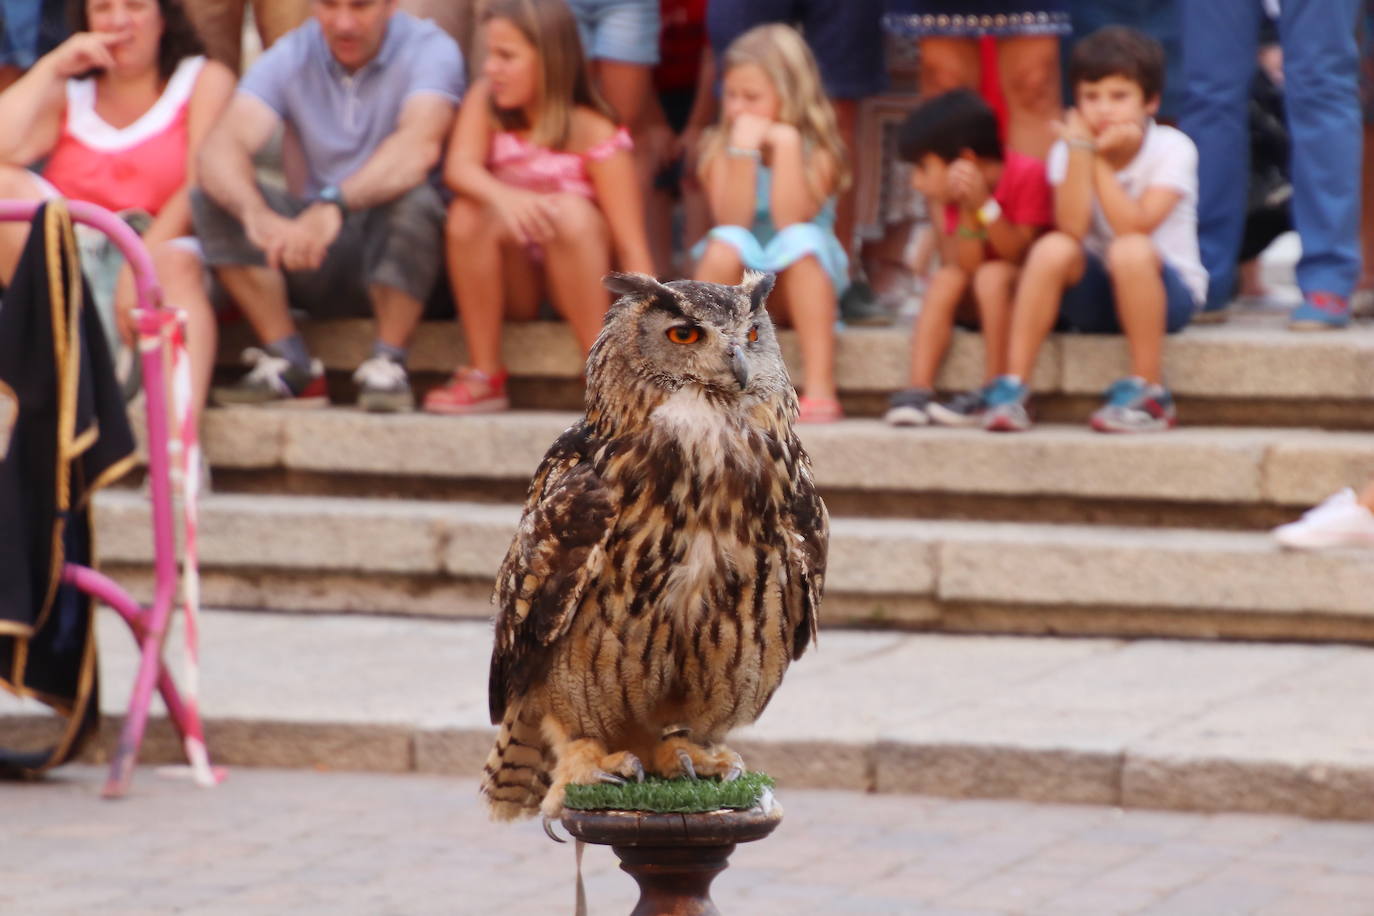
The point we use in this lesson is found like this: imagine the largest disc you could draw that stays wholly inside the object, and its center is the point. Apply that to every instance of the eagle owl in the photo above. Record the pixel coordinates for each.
(670, 559)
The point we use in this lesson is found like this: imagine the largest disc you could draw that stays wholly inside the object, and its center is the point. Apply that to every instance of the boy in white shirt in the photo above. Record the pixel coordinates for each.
(1123, 256)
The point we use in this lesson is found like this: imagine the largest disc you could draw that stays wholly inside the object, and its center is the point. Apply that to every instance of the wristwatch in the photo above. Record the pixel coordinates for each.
(330, 194)
(990, 212)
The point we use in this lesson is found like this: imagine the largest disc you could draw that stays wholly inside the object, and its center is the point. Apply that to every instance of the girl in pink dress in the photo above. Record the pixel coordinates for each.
(546, 195)
(118, 111)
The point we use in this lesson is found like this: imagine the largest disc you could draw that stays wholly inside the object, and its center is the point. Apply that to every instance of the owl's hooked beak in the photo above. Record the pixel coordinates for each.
(740, 366)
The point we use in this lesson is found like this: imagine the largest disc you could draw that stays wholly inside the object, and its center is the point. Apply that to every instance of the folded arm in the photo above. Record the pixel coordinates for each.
(1126, 214)
(405, 158)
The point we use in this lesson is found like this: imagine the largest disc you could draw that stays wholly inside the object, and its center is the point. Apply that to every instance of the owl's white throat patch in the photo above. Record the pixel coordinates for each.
(697, 424)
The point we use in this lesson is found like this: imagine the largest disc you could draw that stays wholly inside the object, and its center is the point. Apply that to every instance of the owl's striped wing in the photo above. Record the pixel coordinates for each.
(558, 550)
(806, 527)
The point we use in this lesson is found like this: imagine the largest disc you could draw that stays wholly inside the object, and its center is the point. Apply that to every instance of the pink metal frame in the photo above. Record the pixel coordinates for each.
(149, 624)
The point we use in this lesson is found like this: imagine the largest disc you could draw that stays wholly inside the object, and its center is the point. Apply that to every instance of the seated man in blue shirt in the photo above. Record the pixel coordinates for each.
(368, 94)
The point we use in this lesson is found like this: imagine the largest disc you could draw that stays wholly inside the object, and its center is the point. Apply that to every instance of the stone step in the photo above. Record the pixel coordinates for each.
(1148, 724)
(434, 557)
(1205, 477)
(1249, 371)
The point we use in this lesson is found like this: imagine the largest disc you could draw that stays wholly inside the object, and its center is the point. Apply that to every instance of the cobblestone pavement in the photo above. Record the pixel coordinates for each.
(305, 843)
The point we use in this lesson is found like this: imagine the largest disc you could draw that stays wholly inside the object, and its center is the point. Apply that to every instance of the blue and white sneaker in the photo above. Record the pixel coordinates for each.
(1004, 405)
(1320, 312)
(1135, 406)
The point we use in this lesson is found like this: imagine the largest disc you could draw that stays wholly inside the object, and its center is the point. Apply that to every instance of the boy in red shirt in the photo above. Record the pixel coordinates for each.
(988, 204)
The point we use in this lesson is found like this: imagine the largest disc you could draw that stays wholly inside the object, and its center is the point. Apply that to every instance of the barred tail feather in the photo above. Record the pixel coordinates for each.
(516, 774)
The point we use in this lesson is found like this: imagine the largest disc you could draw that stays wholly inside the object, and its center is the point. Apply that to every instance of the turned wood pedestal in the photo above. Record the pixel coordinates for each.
(674, 857)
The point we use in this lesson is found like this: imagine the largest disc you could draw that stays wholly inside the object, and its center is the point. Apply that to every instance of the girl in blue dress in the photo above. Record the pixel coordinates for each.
(771, 170)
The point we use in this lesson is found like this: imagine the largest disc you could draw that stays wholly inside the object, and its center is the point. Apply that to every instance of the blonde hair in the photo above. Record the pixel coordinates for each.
(779, 51)
(564, 80)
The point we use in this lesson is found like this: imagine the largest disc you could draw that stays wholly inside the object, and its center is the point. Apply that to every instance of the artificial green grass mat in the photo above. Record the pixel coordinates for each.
(670, 796)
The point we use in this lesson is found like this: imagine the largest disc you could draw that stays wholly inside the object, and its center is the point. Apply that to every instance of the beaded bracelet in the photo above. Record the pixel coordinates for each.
(1077, 143)
(744, 152)
(965, 232)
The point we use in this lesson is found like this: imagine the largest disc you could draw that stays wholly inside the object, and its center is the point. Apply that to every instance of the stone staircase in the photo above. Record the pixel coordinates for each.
(1058, 531)
(1197, 693)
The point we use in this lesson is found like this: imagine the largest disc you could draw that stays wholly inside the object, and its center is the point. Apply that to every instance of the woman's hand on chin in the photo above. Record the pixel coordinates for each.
(82, 52)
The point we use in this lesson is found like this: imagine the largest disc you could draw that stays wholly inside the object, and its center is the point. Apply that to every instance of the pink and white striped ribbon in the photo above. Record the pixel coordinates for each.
(184, 448)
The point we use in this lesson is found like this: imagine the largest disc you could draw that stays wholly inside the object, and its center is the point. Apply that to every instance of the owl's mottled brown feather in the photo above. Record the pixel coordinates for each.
(670, 560)
(558, 548)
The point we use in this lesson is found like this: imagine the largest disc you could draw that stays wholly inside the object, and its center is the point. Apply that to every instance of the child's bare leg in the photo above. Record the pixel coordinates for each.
(1134, 267)
(473, 250)
(993, 285)
(721, 264)
(935, 324)
(1054, 264)
(577, 258)
(809, 298)
(1367, 496)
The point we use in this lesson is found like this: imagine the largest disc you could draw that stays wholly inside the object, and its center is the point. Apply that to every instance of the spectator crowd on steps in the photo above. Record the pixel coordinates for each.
(1069, 165)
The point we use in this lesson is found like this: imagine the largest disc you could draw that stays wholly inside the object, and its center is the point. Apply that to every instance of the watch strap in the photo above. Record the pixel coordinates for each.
(331, 194)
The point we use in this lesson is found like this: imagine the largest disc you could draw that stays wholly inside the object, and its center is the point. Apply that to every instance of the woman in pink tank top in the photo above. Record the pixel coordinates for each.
(116, 113)
(547, 198)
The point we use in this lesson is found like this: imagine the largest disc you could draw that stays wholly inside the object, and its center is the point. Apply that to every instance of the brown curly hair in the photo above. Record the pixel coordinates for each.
(179, 37)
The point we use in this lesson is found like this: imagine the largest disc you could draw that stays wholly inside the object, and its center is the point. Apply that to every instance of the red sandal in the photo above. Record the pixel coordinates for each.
(469, 391)
(818, 410)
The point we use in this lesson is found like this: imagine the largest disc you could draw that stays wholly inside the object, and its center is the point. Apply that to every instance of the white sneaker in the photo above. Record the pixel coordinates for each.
(383, 386)
(1339, 521)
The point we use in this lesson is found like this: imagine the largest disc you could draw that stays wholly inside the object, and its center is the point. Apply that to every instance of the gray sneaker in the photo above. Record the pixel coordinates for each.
(383, 386)
(861, 307)
(962, 409)
(274, 382)
(910, 407)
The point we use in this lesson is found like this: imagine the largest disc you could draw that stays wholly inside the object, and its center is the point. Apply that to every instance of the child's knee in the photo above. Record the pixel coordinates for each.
(950, 273)
(721, 256)
(994, 278)
(577, 219)
(1054, 251)
(1132, 253)
(467, 220)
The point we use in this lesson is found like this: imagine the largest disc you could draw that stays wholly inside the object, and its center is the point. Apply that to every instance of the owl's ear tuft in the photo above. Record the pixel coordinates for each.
(638, 286)
(757, 285)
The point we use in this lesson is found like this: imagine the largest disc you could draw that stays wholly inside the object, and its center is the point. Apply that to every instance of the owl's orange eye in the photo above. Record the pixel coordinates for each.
(753, 334)
(684, 334)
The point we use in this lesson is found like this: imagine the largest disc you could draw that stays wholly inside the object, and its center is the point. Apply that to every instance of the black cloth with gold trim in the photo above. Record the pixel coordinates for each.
(63, 434)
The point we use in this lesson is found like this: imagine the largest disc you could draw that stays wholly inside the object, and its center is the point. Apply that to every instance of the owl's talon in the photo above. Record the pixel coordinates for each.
(685, 759)
(639, 769)
(603, 776)
(735, 772)
(549, 831)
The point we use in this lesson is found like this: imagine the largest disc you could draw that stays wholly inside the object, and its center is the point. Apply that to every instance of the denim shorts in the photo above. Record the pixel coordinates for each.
(619, 30)
(1089, 306)
(846, 37)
